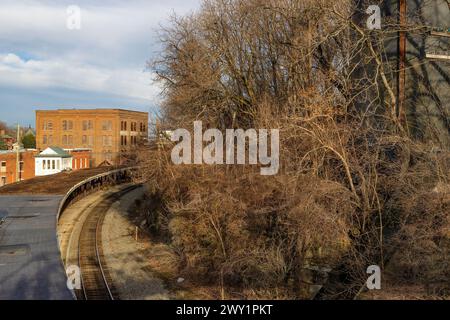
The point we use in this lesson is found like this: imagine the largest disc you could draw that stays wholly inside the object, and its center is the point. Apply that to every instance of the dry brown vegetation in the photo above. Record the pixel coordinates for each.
(354, 188)
(57, 184)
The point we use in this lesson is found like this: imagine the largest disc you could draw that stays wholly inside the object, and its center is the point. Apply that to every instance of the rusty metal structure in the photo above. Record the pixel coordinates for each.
(422, 53)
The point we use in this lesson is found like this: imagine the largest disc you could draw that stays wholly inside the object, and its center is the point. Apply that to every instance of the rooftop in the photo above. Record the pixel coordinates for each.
(98, 110)
(54, 152)
(14, 151)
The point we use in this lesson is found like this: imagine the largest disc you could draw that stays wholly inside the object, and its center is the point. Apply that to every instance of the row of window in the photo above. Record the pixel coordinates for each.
(124, 140)
(3, 166)
(124, 126)
(67, 140)
(3, 178)
(87, 125)
(80, 163)
(56, 164)
(51, 164)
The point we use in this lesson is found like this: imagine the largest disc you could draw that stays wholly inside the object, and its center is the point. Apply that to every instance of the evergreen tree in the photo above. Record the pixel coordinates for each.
(29, 141)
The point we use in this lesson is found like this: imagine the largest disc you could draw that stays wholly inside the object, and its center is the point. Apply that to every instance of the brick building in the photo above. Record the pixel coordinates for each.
(81, 158)
(8, 169)
(111, 134)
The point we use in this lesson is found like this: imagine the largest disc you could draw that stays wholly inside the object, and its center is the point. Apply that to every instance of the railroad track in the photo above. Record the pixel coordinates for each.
(96, 282)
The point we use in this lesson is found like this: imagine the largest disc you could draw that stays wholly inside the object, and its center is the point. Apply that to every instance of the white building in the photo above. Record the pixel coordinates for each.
(52, 160)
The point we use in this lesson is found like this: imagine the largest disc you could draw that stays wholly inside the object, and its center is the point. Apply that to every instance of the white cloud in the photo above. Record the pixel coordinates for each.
(106, 56)
(14, 71)
(119, 32)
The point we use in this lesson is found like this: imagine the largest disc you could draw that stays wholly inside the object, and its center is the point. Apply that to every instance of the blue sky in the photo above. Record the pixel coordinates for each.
(44, 65)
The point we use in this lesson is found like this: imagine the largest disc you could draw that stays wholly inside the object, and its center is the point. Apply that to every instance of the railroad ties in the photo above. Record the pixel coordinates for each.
(95, 279)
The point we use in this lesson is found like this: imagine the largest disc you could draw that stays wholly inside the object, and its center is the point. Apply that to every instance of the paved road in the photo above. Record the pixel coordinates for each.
(30, 261)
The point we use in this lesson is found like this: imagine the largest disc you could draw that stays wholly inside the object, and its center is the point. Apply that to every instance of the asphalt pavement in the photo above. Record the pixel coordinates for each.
(30, 262)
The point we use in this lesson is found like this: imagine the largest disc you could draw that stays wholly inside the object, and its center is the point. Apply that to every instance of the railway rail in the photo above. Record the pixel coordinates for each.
(96, 282)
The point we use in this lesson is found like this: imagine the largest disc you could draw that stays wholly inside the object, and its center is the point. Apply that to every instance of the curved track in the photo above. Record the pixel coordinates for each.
(95, 280)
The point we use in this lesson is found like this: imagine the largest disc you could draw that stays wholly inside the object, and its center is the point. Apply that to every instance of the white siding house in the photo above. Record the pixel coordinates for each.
(52, 160)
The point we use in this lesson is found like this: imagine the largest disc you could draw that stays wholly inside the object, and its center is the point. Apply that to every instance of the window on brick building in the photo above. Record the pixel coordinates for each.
(123, 125)
(107, 125)
(88, 125)
(123, 140)
(67, 125)
(47, 125)
(3, 166)
(107, 141)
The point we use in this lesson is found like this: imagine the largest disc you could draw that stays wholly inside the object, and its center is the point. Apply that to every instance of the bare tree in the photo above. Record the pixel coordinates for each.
(315, 71)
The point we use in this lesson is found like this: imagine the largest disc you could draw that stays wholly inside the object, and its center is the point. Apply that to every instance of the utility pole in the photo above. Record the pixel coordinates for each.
(18, 154)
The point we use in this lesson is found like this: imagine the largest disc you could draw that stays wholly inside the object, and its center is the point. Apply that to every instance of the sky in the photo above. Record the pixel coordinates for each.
(44, 64)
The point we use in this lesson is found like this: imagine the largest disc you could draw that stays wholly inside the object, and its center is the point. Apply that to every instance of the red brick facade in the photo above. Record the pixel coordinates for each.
(8, 166)
(82, 159)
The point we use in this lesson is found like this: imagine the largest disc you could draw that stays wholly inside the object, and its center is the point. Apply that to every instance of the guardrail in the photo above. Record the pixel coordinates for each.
(84, 187)
(88, 185)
